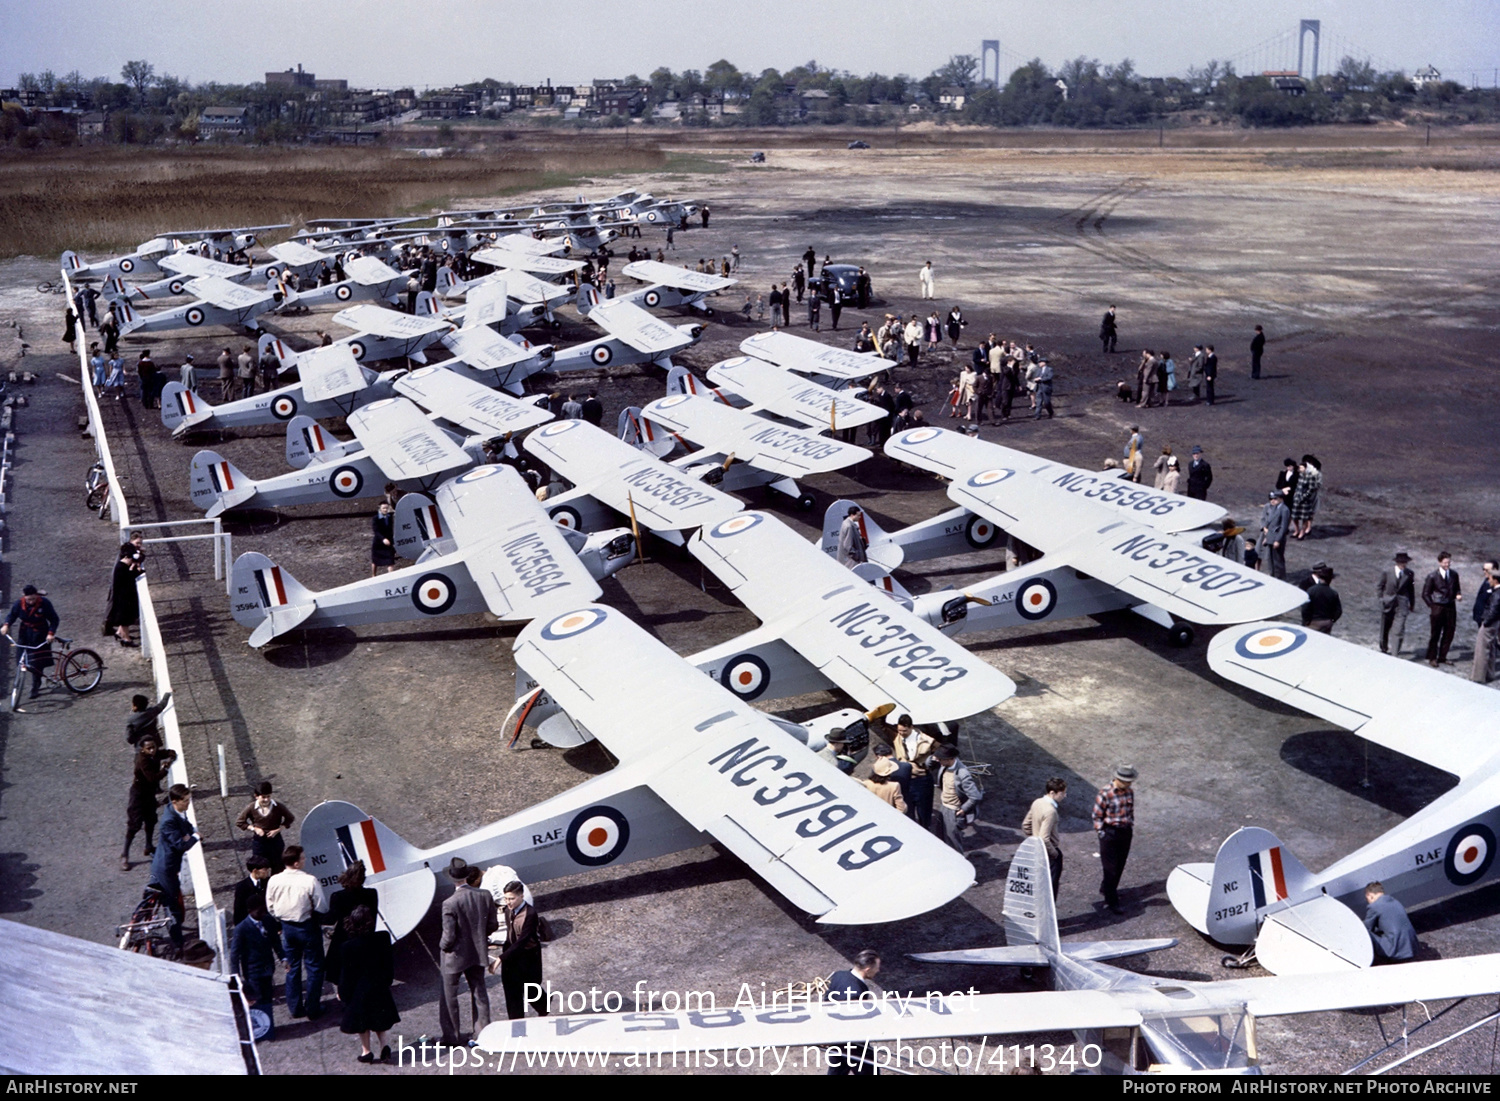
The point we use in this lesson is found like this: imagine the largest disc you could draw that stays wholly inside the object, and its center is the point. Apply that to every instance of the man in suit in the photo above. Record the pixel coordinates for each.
(1108, 331)
(1041, 822)
(253, 957)
(1199, 474)
(853, 985)
(177, 837)
(1389, 927)
(252, 889)
(1441, 593)
(1397, 598)
(1257, 348)
(1275, 522)
(1487, 619)
(521, 958)
(468, 920)
(1210, 371)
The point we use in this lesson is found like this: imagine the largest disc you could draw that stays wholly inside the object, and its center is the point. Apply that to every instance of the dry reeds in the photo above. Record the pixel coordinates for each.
(107, 199)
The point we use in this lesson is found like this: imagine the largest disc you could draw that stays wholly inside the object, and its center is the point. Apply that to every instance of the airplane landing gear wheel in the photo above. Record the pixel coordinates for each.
(1180, 636)
(806, 502)
(554, 324)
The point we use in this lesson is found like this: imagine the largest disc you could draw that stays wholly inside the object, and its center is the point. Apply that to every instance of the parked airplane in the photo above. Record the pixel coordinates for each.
(768, 388)
(634, 337)
(140, 262)
(1126, 1023)
(182, 268)
(1117, 533)
(492, 549)
(696, 765)
(394, 442)
(219, 242)
(1257, 892)
(369, 279)
(672, 287)
(216, 301)
(818, 361)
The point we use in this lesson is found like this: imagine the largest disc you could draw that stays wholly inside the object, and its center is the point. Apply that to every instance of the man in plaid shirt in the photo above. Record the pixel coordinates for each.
(1114, 822)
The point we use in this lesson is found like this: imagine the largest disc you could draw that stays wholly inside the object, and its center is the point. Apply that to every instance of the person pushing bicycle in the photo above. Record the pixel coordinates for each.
(38, 626)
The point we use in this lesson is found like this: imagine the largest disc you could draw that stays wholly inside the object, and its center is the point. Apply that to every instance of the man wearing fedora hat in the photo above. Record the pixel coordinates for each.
(1323, 608)
(1114, 823)
(468, 920)
(1398, 597)
(1275, 521)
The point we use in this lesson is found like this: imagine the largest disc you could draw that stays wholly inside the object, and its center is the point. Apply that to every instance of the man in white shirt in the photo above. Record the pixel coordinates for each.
(925, 275)
(1041, 822)
(294, 898)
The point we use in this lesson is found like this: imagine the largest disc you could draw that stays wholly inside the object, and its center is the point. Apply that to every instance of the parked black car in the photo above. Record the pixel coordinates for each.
(842, 280)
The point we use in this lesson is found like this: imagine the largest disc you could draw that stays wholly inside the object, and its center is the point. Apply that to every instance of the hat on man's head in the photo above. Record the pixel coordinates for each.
(885, 766)
(1127, 773)
(1403, 557)
(29, 590)
(1273, 495)
(1197, 450)
(458, 868)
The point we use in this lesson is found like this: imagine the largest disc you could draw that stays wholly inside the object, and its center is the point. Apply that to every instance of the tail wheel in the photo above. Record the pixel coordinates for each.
(82, 670)
(806, 502)
(1181, 635)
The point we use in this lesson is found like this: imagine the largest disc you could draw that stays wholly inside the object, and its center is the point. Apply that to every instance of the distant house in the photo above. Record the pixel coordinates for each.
(228, 122)
(91, 126)
(952, 97)
(1429, 75)
(1289, 85)
(618, 101)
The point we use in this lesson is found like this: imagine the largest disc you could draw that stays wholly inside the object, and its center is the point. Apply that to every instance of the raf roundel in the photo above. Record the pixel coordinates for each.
(478, 473)
(177, 286)
(1270, 642)
(979, 533)
(346, 482)
(597, 836)
(735, 524)
(559, 428)
(652, 298)
(1036, 599)
(433, 594)
(343, 294)
(565, 517)
(667, 403)
(573, 623)
(284, 408)
(919, 435)
(602, 355)
(127, 265)
(194, 316)
(1470, 854)
(357, 349)
(746, 676)
(989, 478)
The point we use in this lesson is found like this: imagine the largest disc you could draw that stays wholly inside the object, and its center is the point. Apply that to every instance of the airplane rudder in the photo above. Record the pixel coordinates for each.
(1252, 871)
(1029, 910)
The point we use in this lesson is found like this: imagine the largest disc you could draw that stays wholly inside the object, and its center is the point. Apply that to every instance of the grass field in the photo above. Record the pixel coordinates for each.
(102, 199)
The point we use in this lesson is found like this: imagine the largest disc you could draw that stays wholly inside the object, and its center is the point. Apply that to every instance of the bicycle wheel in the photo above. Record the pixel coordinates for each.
(15, 693)
(45, 288)
(82, 670)
(96, 497)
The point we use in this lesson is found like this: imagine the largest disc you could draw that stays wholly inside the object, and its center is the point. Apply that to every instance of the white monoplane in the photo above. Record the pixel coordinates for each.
(671, 287)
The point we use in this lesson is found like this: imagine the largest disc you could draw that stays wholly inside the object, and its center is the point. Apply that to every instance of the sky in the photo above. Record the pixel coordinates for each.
(387, 43)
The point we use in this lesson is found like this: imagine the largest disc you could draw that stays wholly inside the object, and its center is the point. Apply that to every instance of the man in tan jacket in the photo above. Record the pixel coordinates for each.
(1041, 821)
(916, 746)
(886, 779)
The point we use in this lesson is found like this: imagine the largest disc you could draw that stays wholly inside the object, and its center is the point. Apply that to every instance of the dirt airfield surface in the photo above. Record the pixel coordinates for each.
(1375, 276)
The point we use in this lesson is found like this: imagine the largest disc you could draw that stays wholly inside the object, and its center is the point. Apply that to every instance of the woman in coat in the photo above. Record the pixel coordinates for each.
(955, 324)
(1305, 495)
(934, 331)
(351, 895)
(124, 610)
(365, 965)
(1172, 477)
(383, 541)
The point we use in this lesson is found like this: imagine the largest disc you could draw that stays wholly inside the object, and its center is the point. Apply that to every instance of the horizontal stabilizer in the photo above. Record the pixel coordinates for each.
(1315, 936)
(279, 621)
(1010, 955)
(1100, 950)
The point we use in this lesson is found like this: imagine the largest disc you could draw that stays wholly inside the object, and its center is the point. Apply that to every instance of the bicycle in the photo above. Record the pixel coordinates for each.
(148, 931)
(78, 671)
(96, 490)
(48, 287)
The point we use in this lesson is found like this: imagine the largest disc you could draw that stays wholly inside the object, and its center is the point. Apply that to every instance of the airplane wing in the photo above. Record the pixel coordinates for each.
(957, 456)
(195, 266)
(532, 262)
(650, 271)
(790, 395)
(481, 347)
(869, 645)
(367, 271)
(760, 442)
(797, 353)
(330, 372)
(485, 304)
(628, 322)
(403, 441)
(380, 321)
(469, 404)
(297, 254)
(525, 243)
(524, 288)
(517, 557)
(817, 836)
(1397, 984)
(663, 497)
(1441, 720)
(224, 294)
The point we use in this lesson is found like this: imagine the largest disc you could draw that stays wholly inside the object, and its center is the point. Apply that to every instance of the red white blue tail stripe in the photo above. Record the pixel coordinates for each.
(1266, 878)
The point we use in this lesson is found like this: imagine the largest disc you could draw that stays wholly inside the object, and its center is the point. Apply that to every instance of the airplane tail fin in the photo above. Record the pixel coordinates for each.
(113, 289)
(833, 520)
(418, 526)
(587, 298)
(1253, 871)
(267, 599)
(1259, 883)
(277, 347)
(305, 441)
(427, 305)
(182, 408)
(448, 283)
(336, 834)
(70, 264)
(638, 431)
(1030, 912)
(216, 485)
(129, 319)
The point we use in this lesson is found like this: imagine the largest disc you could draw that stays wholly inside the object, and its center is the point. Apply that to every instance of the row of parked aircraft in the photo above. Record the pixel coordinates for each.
(482, 541)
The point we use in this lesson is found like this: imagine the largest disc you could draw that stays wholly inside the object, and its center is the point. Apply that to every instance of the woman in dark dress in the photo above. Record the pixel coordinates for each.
(383, 542)
(351, 895)
(124, 610)
(366, 969)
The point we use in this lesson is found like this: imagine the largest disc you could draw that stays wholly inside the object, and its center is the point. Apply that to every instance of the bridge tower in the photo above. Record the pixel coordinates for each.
(1315, 26)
